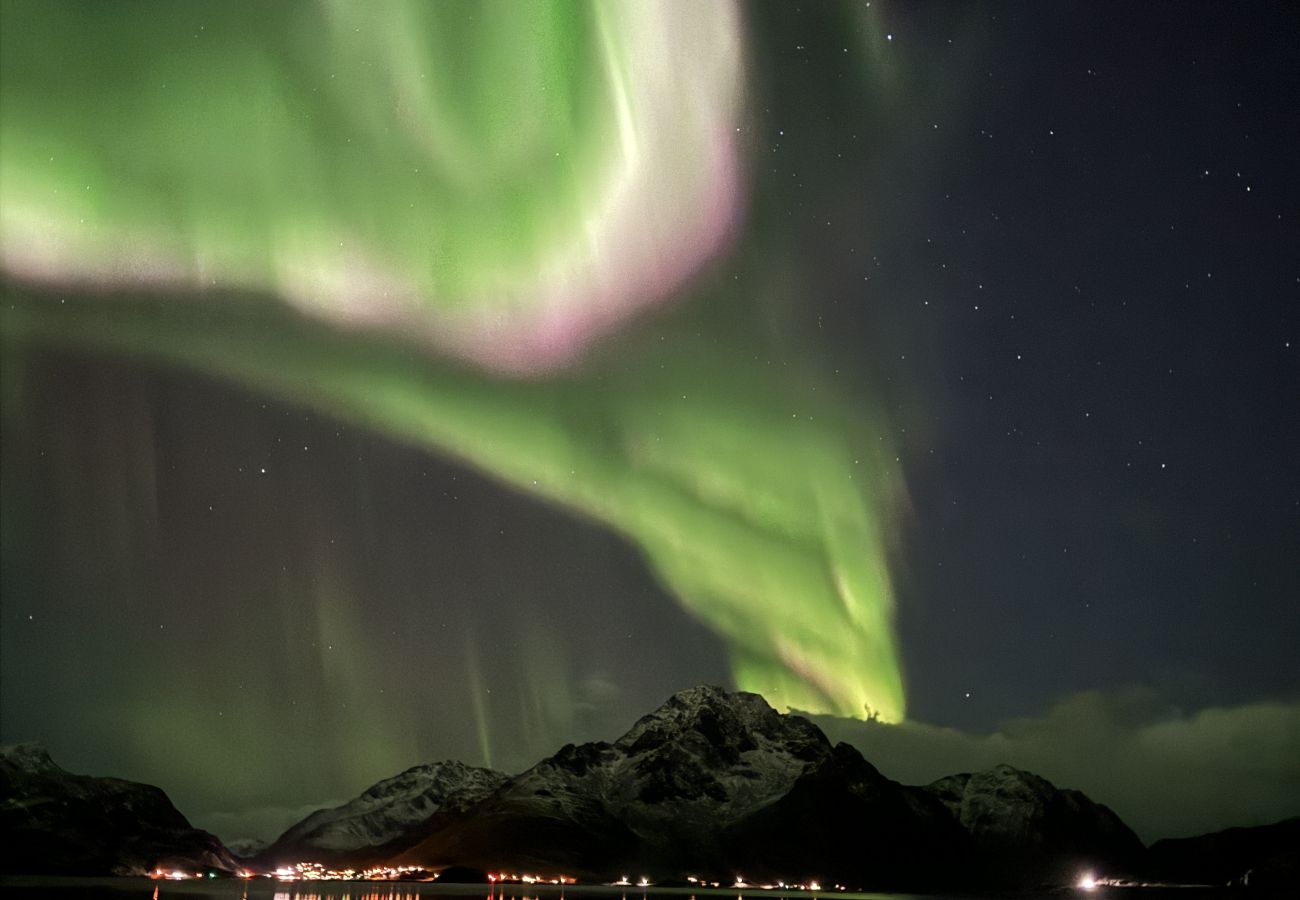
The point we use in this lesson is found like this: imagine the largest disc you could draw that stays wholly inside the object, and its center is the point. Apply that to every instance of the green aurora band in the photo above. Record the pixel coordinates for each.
(395, 213)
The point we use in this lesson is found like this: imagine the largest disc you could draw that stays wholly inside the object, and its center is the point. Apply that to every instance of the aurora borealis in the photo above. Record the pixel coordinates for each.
(457, 379)
(512, 260)
(499, 183)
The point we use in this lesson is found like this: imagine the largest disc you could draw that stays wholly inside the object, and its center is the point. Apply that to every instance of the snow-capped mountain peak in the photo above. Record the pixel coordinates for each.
(387, 810)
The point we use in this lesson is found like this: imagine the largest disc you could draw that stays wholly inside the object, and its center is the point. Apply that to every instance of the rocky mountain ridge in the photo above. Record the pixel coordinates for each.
(58, 823)
(1020, 822)
(664, 793)
(386, 818)
(712, 783)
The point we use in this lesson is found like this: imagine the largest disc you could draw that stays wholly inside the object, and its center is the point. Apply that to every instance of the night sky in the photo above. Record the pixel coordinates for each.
(936, 361)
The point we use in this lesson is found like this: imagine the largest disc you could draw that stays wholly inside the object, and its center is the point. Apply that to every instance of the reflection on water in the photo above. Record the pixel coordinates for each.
(417, 892)
(365, 894)
(266, 889)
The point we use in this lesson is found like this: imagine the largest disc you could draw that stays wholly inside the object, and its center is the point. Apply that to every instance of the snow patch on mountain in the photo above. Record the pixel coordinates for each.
(388, 810)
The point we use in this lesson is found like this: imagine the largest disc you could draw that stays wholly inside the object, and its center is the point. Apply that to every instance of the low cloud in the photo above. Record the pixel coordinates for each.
(1165, 772)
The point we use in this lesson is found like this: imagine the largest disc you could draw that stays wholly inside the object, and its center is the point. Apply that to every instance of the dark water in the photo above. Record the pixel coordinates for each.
(265, 889)
(262, 889)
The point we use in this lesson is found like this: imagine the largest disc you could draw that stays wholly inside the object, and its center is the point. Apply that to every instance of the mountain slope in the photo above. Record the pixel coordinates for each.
(844, 822)
(57, 823)
(1027, 831)
(1263, 856)
(386, 818)
(695, 786)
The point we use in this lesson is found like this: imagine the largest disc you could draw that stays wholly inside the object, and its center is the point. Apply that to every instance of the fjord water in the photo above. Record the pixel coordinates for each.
(265, 889)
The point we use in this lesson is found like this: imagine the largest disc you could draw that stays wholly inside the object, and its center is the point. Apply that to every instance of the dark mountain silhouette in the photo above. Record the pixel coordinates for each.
(57, 823)
(1263, 856)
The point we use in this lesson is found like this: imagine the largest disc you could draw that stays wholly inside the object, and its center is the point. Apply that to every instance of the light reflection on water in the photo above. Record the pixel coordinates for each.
(500, 892)
(346, 895)
(369, 892)
(265, 889)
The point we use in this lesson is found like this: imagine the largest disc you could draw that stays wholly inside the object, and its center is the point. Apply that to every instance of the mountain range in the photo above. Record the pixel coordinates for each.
(713, 785)
(58, 823)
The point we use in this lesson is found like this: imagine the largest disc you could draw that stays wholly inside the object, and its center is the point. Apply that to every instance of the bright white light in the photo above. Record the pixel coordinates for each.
(1087, 882)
